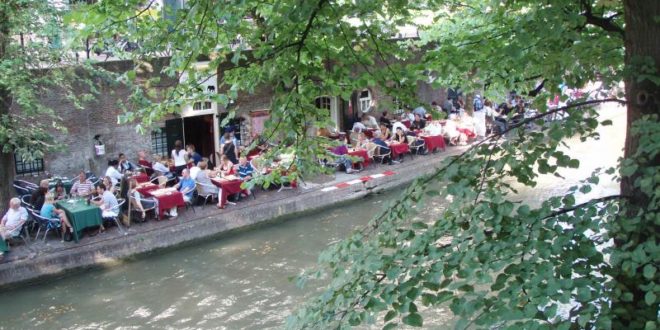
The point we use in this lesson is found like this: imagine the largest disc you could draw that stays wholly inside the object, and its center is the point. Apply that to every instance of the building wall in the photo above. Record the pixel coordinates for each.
(100, 117)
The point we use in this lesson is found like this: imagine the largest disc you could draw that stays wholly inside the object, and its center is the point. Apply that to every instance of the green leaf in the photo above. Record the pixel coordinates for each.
(649, 271)
(650, 298)
(413, 319)
(390, 315)
(390, 326)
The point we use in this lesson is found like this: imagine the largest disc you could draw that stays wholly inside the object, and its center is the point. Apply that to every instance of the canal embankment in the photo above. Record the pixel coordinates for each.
(42, 260)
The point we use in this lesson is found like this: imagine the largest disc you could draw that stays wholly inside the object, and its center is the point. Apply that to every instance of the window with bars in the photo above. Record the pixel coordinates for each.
(28, 167)
(159, 142)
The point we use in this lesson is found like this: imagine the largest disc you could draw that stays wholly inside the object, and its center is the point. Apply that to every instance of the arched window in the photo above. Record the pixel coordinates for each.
(365, 100)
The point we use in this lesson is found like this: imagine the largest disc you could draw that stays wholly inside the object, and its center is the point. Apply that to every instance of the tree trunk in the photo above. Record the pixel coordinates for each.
(6, 156)
(643, 97)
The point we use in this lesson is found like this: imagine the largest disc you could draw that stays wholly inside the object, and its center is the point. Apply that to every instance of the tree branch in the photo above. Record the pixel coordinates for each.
(601, 22)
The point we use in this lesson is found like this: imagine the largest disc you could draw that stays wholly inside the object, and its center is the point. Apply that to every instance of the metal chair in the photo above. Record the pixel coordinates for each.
(417, 145)
(148, 204)
(200, 187)
(383, 156)
(117, 210)
(47, 224)
(21, 191)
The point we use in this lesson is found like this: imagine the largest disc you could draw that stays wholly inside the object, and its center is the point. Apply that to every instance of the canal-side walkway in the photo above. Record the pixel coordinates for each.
(39, 260)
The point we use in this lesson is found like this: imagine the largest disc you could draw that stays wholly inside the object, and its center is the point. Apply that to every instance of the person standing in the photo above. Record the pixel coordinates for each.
(479, 116)
(179, 157)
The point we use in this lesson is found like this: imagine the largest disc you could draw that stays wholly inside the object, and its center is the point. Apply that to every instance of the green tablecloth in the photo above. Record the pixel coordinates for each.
(81, 215)
(3, 246)
(67, 184)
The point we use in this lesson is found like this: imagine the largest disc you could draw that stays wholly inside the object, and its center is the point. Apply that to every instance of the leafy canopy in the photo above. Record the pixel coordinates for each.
(495, 262)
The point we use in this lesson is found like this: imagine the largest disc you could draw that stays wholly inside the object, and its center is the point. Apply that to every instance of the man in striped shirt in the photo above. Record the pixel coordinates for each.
(82, 187)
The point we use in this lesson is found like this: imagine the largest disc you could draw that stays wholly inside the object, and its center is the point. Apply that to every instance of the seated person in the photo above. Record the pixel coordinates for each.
(361, 142)
(135, 198)
(245, 171)
(418, 123)
(112, 172)
(369, 121)
(142, 161)
(107, 202)
(59, 192)
(358, 126)
(383, 147)
(385, 133)
(39, 196)
(205, 186)
(420, 111)
(12, 222)
(407, 115)
(226, 167)
(125, 165)
(399, 136)
(186, 186)
(193, 156)
(193, 171)
(108, 184)
(82, 187)
(161, 169)
(451, 132)
(49, 211)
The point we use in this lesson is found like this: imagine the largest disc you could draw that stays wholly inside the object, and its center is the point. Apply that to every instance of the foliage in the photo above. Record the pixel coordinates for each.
(495, 262)
(35, 65)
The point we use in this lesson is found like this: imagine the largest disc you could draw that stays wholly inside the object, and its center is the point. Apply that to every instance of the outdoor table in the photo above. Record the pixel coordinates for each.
(167, 198)
(434, 142)
(399, 149)
(406, 123)
(141, 177)
(362, 154)
(227, 187)
(66, 182)
(80, 215)
(3, 245)
(145, 188)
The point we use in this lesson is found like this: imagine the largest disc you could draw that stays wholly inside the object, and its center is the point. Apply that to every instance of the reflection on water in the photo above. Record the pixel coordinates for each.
(237, 281)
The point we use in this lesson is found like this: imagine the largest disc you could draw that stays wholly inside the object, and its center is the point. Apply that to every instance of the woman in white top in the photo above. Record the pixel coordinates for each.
(179, 157)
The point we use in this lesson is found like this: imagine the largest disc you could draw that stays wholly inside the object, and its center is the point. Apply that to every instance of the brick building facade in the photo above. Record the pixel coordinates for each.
(100, 118)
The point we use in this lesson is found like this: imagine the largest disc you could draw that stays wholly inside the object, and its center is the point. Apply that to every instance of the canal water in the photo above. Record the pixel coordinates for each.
(239, 281)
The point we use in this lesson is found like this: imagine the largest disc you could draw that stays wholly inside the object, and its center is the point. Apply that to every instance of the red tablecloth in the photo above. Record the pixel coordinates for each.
(227, 187)
(369, 132)
(434, 142)
(399, 149)
(406, 123)
(141, 177)
(167, 201)
(362, 154)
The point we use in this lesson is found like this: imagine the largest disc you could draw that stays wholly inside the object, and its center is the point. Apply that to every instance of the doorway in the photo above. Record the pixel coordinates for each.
(198, 131)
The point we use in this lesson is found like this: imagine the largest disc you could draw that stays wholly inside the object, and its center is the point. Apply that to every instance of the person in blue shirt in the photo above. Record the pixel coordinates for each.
(245, 169)
(383, 147)
(49, 211)
(193, 156)
(186, 186)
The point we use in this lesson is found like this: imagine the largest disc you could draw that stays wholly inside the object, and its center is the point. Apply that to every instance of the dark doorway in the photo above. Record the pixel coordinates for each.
(198, 131)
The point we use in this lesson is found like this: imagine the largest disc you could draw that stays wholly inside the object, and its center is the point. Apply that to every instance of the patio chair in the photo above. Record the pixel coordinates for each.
(47, 224)
(148, 204)
(416, 146)
(21, 191)
(207, 196)
(383, 156)
(117, 210)
(25, 202)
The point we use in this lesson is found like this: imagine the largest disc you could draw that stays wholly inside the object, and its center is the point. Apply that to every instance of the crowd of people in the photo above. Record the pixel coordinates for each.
(189, 173)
